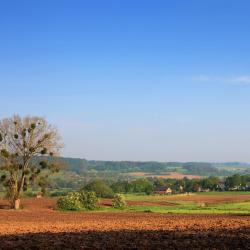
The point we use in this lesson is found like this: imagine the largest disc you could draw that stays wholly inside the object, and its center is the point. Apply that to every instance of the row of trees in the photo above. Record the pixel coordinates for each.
(147, 186)
(238, 182)
(150, 184)
(107, 190)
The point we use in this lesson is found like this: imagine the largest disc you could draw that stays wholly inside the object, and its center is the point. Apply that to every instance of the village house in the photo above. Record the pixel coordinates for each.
(177, 189)
(203, 190)
(221, 185)
(163, 190)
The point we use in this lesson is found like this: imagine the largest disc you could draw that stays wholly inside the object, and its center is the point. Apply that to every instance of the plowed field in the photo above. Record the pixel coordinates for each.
(38, 226)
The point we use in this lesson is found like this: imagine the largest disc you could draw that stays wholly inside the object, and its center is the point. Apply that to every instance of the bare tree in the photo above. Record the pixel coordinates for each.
(28, 149)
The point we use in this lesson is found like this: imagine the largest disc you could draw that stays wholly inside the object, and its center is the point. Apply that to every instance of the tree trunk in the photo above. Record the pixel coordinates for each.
(17, 204)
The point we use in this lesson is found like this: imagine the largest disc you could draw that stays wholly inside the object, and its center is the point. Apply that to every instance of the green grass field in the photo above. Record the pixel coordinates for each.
(192, 208)
(189, 207)
(224, 193)
(141, 196)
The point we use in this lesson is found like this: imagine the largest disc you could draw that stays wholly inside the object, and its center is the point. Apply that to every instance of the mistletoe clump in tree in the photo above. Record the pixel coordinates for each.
(29, 148)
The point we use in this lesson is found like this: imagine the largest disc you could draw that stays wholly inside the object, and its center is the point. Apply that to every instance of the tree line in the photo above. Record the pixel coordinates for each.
(149, 185)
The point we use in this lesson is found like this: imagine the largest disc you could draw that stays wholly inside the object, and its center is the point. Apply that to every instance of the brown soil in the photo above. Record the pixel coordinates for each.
(137, 174)
(170, 175)
(38, 226)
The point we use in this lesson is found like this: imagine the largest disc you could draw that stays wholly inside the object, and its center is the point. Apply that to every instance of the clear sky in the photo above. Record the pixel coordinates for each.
(132, 79)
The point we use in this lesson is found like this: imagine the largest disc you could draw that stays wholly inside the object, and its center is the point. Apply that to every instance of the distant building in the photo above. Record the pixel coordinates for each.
(203, 189)
(177, 189)
(163, 190)
(221, 185)
(236, 188)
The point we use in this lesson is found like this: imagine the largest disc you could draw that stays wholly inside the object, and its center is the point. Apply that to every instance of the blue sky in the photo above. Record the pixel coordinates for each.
(132, 79)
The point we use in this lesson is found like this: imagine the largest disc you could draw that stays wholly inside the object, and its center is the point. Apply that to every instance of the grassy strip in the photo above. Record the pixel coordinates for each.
(224, 193)
(192, 208)
(143, 197)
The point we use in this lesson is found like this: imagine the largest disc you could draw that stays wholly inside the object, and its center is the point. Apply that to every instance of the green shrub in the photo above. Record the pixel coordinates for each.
(76, 201)
(119, 202)
(88, 200)
(70, 202)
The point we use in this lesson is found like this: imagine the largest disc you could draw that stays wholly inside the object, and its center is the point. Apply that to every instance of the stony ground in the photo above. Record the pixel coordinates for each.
(39, 226)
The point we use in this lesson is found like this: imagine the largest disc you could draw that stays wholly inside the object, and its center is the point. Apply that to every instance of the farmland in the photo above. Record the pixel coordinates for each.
(223, 203)
(168, 175)
(149, 222)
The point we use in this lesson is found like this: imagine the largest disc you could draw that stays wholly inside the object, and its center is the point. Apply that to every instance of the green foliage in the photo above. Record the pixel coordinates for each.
(141, 185)
(44, 151)
(76, 165)
(29, 193)
(70, 202)
(203, 169)
(3, 177)
(58, 193)
(119, 202)
(211, 183)
(77, 201)
(33, 126)
(88, 200)
(238, 182)
(43, 164)
(136, 186)
(132, 166)
(101, 189)
(5, 153)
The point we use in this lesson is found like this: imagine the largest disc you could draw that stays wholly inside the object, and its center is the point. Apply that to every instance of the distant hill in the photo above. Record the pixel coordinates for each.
(233, 164)
(83, 166)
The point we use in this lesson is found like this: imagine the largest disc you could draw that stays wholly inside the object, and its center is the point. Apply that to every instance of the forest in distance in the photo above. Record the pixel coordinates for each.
(193, 168)
(76, 172)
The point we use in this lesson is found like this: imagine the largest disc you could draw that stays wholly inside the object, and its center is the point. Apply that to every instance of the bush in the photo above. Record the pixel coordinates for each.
(119, 202)
(70, 202)
(76, 201)
(88, 200)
